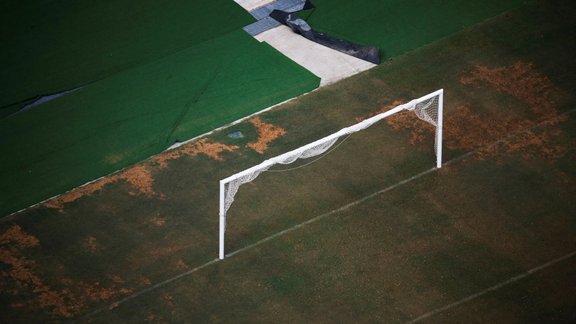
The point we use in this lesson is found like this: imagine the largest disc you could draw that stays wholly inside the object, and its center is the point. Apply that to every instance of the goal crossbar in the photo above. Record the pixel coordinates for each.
(320, 146)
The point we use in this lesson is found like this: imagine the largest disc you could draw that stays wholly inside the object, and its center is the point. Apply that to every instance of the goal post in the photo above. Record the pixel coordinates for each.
(428, 108)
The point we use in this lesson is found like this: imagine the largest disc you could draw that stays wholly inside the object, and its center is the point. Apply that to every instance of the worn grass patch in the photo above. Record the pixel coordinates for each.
(503, 204)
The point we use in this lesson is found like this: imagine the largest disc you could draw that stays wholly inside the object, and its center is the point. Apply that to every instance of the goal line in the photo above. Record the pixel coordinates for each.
(428, 108)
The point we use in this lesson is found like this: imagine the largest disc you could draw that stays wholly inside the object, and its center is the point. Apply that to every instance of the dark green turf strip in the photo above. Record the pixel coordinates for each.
(123, 119)
(398, 26)
(51, 46)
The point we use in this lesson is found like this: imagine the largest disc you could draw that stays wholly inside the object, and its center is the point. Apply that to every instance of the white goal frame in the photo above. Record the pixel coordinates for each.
(322, 145)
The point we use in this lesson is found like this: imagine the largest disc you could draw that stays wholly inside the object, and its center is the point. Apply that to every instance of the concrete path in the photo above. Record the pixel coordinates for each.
(324, 62)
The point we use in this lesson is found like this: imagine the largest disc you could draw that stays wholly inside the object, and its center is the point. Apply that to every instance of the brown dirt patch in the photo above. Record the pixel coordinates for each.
(407, 120)
(466, 129)
(14, 235)
(22, 284)
(527, 85)
(156, 221)
(181, 265)
(521, 81)
(213, 150)
(538, 143)
(91, 244)
(404, 120)
(145, 281)
(384, 109)
(169, 301)
(266, 134)
(139, 177)
(169, 250)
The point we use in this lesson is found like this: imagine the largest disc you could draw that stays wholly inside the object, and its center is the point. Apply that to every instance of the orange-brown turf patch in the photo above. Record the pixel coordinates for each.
(91, 244)
(15, 235)
(404, 120)
(266, 134)
(145, 281)
(29, 292)
(169, 301)
(524, 83)
(202, 146)
(161, 251)
(384, 109)
(139, 177)
(156, 221)
(467, 130)
(150, 318)
(521, 81)
(181, 265)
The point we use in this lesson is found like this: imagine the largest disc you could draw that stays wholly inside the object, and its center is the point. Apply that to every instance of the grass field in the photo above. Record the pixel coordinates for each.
(369, 233)
(127, 117)
(52, 46)
(397, 27)
(136, 96)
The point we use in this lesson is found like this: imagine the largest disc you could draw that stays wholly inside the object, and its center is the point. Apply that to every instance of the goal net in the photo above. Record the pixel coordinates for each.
(428, 108)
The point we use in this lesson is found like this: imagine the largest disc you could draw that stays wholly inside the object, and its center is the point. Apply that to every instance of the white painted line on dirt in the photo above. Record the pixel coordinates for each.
(493, 288)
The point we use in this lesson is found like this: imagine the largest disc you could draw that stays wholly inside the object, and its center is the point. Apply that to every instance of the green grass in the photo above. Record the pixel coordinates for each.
(442, 237)
(398, 26)
(132, 115)
(54, 46)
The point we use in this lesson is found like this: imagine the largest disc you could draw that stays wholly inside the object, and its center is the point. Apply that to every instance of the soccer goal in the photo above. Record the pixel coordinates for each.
(428, 108)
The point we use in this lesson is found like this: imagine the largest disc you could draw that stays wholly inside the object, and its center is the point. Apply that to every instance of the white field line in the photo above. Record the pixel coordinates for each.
(344, 208)
(493, 288)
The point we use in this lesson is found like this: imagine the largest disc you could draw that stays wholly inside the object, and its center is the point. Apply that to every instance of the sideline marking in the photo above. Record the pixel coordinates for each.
(143, 291)
(493, 288)
(345, 207)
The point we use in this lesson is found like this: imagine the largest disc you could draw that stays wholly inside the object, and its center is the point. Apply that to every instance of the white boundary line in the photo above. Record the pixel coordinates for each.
(493, 288)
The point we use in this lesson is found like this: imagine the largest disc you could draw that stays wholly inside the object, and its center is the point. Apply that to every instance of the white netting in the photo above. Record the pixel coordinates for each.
(231, 188)
(313, 151)
(426, 110)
